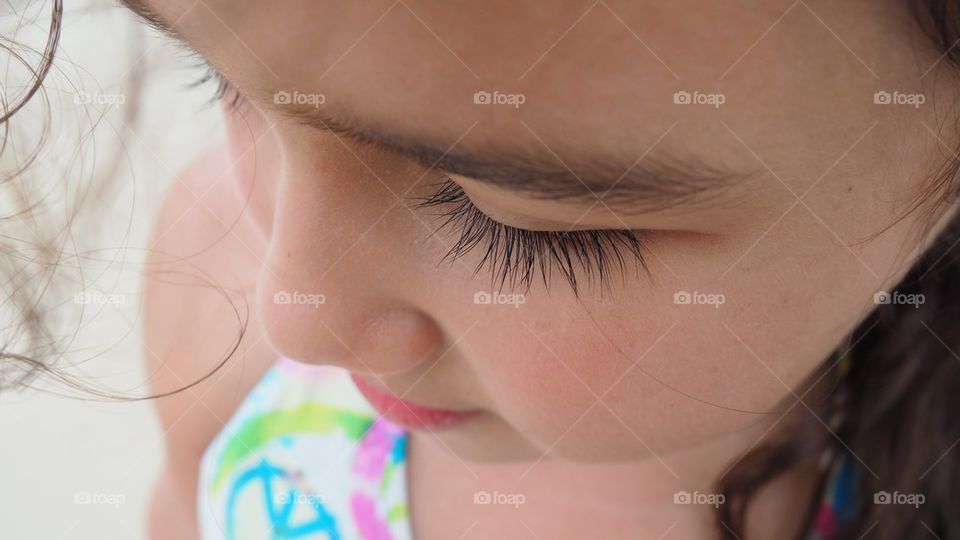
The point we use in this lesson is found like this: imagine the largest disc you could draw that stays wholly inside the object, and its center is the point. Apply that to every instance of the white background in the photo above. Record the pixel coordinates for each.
(54, 450)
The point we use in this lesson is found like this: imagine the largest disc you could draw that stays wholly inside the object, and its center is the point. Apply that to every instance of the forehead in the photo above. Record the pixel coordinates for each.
(601, 73)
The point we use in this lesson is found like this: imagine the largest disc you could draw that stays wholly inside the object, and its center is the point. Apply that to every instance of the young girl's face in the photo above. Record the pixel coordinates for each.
(752, 150)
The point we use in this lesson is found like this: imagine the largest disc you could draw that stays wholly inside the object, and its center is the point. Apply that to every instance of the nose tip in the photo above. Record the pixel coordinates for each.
(397, 340)
(361, 337)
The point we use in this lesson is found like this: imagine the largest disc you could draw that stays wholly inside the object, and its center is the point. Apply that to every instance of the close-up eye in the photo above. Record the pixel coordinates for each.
(516, 257)
(413, 270)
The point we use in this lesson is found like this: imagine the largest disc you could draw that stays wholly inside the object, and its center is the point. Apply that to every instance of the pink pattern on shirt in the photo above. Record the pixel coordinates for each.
(373, 453)
(375, 449)
(371, 526)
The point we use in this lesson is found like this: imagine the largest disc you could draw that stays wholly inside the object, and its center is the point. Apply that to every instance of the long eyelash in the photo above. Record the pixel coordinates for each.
(223, 90)
(515, 255)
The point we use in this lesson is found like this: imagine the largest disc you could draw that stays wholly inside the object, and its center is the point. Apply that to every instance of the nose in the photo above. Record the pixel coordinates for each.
(338, 284)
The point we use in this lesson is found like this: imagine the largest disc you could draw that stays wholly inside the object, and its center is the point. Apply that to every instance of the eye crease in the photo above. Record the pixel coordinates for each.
(515, 256)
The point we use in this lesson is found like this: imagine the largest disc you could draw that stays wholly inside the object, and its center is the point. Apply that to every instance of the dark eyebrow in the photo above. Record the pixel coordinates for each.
(538, 171)
(655, 182)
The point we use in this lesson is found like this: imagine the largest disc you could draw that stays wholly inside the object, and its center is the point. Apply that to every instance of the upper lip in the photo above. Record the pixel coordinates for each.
(415, 402)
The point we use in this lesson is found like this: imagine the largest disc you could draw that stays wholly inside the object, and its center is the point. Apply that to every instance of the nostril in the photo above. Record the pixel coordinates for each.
(397, 340)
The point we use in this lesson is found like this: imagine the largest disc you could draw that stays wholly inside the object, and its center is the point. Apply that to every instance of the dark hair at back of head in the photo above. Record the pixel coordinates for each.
(893, 412)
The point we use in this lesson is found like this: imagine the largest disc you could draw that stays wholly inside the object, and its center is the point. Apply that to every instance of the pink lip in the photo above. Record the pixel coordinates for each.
(409, 414)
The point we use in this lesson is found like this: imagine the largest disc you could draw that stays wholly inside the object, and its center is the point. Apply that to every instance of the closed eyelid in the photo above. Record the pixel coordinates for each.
(515, 256)
(581, 176)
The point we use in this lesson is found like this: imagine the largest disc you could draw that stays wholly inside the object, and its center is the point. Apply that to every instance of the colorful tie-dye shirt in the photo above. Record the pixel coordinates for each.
(306, 457)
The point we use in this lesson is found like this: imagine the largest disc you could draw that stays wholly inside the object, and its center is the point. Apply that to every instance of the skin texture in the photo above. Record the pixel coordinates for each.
(620, 388)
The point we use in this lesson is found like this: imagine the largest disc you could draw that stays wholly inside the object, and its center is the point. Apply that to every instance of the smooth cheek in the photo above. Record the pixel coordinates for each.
(544, 385)
(552, 376)
(698, 384)
(618, 383)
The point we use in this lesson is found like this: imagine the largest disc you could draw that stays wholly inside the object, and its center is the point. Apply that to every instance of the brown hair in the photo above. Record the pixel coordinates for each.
(891, 416)
(30, 334)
